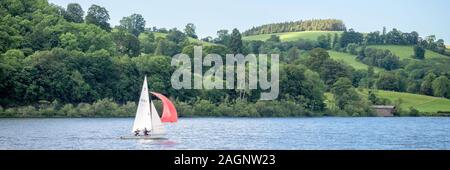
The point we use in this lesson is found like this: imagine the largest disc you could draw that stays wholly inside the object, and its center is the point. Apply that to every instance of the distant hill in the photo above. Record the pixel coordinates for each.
(405, 52)
(291, 36)
(158, 34)
(295, 26)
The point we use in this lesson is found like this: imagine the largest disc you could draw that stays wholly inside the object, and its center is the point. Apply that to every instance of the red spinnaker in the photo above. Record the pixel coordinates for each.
(169, 112)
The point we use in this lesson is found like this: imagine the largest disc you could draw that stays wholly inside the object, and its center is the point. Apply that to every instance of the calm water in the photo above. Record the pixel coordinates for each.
(231, 133)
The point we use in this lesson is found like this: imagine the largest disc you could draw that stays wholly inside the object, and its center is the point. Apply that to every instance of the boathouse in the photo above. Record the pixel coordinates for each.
(384, 110)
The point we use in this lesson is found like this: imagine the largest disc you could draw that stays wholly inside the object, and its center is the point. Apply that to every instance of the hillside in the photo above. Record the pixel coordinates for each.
(405, 52)
(158, 34)
(350, 60)
(422, 103)
(295, 26)
(291, 36)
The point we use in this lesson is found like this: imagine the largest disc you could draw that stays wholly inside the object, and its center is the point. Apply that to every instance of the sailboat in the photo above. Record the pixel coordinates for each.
(147, 117)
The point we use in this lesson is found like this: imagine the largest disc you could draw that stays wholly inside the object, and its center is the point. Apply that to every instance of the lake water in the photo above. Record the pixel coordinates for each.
(231, 133)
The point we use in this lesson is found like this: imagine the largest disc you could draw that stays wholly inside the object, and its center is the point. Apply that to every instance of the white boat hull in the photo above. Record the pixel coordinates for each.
(150, 137)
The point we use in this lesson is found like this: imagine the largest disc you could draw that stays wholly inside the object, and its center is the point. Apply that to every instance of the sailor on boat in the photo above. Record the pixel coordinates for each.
(147, 120)
(136, 132)
(146, 132)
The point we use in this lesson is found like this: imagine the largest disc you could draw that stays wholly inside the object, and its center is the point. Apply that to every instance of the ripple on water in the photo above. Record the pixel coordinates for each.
(231, 133)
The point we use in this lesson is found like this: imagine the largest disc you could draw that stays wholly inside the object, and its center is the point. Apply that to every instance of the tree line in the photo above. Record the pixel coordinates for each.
(413, 76)
(59, 61)
(302, 25)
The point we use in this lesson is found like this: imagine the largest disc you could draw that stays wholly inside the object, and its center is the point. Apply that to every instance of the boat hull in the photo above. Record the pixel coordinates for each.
(145, 137)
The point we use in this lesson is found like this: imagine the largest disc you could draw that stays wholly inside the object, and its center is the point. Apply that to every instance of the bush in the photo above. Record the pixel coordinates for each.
(419, 52)
(203, 108)
(128, 109)
(352, 48)
(413, 112)
(105, 107)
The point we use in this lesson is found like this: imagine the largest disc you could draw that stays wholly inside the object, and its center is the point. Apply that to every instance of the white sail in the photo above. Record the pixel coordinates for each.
(157, 126)
(143, 117)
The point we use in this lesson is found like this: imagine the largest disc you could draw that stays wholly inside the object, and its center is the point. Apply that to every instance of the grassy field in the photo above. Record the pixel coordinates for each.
(405, 52)
(350, 60)
(158, 34)
(291, 36)
(426, 104)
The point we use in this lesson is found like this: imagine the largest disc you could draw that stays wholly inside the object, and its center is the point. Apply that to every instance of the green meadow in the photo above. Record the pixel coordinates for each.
(405, 52)
(193, 40)
(425, 104)
(350, 60)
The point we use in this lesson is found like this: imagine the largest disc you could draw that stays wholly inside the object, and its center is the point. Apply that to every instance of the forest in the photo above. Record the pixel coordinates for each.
(302, 25)
(65, 62)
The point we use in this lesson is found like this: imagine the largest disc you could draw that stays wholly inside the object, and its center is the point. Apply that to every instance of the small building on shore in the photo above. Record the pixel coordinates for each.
(384, 110)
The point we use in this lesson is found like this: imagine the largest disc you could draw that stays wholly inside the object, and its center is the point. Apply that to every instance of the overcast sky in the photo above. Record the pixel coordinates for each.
(424, 16)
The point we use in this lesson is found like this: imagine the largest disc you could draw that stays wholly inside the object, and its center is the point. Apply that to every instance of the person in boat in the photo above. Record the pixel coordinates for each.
(136, 132)
(146, 132)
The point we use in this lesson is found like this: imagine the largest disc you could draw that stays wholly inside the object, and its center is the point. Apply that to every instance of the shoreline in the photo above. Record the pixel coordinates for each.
(226, 117)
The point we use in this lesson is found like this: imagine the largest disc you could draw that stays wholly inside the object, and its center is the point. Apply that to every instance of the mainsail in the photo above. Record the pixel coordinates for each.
(143, 118)
(146, 115)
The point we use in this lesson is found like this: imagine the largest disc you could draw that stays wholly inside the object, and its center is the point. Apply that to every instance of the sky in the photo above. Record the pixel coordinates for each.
(424, 16)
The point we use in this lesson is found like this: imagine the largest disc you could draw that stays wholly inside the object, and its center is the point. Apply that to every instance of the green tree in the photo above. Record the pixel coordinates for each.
(189, 30)
(344, 92)
(126, 43)
(293, 54)
(74, 13)
(387, 81)
(176, 36)
(302, 85)
(10, 37)
(352, 48)
(222, 37)
(395, 37)
(303, 25)
(147, 42)
(99, 16)
(69, 41)
(372, 97)
(330, 71)
(335, 40)
(235, 45)
(419, 52)
(350, 36)
(441, 86)
(134, 24)
(427, 84)
(323, 42)
(11, 64)
(274, 38)
(318, 56)
(373, 38)
(165, 47)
